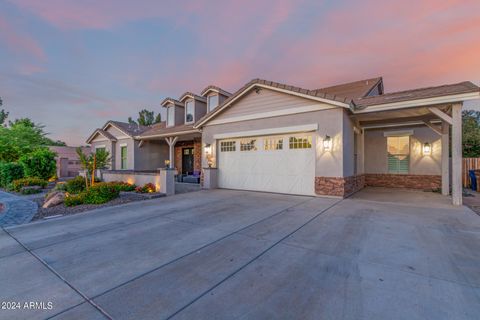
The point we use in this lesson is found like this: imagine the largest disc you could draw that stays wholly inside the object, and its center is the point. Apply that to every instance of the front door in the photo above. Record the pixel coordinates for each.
(187, 160)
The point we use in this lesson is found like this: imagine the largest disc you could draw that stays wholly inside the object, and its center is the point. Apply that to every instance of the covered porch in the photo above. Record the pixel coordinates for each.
(411, 147)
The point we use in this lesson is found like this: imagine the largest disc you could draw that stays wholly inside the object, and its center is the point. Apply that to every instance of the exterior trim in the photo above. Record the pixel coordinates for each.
(398, 133)
(270, 131)
(98, 131)
(259, 85)
(271, 114)
(400, 124)
(171, 134)
(420, 102)
(113, 125)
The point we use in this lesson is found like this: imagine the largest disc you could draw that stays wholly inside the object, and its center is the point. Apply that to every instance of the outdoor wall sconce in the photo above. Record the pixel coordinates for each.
(208, 148)
(327, 143)
(427, 149)
(167, 163)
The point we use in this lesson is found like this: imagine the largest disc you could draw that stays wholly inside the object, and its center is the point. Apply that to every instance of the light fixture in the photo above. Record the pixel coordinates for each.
(167, 163)
(208, 148)
(427, 149)
(327, 143)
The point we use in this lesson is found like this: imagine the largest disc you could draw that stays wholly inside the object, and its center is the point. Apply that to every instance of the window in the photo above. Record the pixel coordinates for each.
(300, 142)
(123, 157)
(189, 111)
(273, 144)
(398, 149)
(212, 102)
(226, 146)
(101, 149)
(170, 116)
(248, 145)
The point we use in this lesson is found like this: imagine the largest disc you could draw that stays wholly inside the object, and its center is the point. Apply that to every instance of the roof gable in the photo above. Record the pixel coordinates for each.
(257, 84)
(354, 90)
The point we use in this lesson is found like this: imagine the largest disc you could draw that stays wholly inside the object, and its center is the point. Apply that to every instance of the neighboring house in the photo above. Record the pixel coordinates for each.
(68, 162)
(331, 141)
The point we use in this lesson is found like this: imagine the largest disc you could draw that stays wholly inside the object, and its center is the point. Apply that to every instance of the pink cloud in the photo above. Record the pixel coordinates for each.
(19, 42)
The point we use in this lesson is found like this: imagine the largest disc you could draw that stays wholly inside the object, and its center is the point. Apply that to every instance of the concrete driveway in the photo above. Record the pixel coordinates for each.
(231, 254)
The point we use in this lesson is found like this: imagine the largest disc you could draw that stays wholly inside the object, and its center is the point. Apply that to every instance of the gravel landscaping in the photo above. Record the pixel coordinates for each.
(125, 197)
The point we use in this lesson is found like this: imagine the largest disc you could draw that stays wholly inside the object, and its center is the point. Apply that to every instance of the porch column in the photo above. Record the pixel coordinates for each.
(457, 154)
(171, 148)
(445, 159)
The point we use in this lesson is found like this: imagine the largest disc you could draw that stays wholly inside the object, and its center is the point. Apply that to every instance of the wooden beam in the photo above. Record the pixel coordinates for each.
(435, 128)
(396, 120)
(442, 115)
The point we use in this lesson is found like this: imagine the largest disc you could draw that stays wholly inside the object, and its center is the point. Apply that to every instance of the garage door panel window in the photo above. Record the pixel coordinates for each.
(273, 144)
(248, 145)
(227, 146)
(398, 149)
(300, 142)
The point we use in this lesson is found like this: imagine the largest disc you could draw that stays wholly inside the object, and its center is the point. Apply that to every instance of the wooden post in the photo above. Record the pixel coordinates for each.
(171, 148)
(457, 154)
(445, 159)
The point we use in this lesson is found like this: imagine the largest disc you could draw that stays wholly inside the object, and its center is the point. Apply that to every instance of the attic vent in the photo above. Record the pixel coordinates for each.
(398, 96)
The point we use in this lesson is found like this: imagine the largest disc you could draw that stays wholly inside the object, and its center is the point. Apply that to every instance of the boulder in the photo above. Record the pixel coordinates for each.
(55, 200)
(50, 195)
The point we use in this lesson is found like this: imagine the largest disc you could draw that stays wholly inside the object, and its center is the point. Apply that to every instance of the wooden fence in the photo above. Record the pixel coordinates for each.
(469, 164)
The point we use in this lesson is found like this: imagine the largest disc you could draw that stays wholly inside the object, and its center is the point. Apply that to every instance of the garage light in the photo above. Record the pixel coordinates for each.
(327, 143)
(208, 148)
(427, 149)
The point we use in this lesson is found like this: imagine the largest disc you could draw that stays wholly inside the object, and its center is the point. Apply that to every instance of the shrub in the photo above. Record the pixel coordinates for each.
(75, 199)
(149, 187)
(17, 185)
(61, 186)
(29, 191)
(101, 193)
(9, 172)
(123, 186)
(75, 185)
(40, 163)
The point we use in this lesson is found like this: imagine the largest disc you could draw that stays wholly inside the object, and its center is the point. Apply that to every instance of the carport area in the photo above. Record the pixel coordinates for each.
(235, 254)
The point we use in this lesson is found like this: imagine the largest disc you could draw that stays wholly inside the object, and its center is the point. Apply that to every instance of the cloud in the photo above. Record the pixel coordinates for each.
(19, 42)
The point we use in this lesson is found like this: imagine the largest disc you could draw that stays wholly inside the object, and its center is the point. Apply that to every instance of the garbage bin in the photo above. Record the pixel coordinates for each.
(473, 180)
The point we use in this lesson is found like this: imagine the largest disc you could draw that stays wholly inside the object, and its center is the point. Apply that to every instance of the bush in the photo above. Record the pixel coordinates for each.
(75, 199)
(75, 185)
(26, 191)
(101, 193)
(40, 163)
(123, 186)
(149, 187)
(17, 185)
(61, 186)
(9, 172)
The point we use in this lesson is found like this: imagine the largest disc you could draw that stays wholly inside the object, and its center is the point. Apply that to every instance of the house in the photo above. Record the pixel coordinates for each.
(330, 141)
(68, 162)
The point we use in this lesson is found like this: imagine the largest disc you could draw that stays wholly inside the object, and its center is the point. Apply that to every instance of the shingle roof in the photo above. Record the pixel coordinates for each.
(171, 100)
(353, 90)
(103, 133)
(195, 96)
(215, 88)
(128, 128)
(422, 93)
(160, 129)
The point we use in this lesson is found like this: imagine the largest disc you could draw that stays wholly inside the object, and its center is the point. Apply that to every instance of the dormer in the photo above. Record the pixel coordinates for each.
(175, 112)
(195, 107)
(215, 96)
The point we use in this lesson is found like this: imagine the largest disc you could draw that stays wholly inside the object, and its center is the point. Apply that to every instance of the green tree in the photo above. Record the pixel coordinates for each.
(100, 160)
(146, 118)
(471, 133)
(40, 163)
(3, 114)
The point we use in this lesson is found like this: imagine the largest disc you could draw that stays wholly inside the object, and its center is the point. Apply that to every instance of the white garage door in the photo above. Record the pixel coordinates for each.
(283, 164)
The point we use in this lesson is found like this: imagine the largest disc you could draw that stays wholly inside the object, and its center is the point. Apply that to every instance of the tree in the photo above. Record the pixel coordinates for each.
(471, 133)
(40, 163)
(146, 118)
(98, 160)
(3, 114)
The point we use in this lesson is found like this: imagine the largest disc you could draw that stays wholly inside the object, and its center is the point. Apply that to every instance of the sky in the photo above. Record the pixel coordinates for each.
(72, 65)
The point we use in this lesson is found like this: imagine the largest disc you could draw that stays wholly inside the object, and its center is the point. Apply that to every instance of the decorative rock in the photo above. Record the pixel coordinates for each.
(50, 195)
(54, 200)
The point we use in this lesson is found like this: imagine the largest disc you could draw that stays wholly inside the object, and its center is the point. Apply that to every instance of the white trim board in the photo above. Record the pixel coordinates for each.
(270, 131)
(100, 146)
(421, 102)
(270, 114)
(398, 133)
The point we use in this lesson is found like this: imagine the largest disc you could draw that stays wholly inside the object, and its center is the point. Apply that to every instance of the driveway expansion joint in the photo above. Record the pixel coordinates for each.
(43, 262)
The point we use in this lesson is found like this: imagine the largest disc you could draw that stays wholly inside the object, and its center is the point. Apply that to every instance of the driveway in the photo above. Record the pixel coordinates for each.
(232, 254)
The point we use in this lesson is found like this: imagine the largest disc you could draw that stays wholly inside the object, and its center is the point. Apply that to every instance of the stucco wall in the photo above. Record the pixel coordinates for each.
(100, 142)
(376, 151)
(200, 109)
(129, 143)
(151, 155)
(328, 164)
